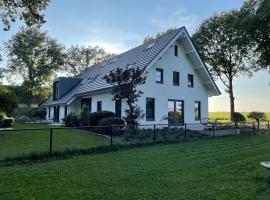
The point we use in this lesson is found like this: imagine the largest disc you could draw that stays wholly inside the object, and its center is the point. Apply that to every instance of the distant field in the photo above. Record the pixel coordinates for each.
(226, 115)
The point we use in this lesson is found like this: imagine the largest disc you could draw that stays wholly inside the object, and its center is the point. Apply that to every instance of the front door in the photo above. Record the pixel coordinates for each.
(56, 113)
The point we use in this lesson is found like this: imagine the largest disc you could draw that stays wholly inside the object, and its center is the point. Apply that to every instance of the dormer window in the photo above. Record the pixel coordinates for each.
(56, 90)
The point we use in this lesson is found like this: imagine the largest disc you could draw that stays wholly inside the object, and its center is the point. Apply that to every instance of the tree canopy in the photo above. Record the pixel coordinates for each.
(34, 56)
(8, 100)
(27, 10)
(223, 46)
(80, 57)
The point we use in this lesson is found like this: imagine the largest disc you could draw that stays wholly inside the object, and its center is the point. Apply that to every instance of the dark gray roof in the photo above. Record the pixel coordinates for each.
(140, 56)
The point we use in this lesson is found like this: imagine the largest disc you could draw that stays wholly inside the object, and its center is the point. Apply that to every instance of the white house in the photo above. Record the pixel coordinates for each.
(176, 90)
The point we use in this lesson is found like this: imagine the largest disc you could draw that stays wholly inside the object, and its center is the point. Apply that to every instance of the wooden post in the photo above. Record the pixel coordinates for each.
(213, 129)
(51, 135)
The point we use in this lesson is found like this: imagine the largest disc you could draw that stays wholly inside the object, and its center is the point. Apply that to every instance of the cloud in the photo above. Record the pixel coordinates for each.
(178, 18)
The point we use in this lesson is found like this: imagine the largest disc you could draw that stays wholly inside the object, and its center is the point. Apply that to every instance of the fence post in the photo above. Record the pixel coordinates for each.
(213, 128)
(154, 134)
(258, 125)
(51, 135)
(111, 137)
(185, 125)
(235, 128)
(254, 128)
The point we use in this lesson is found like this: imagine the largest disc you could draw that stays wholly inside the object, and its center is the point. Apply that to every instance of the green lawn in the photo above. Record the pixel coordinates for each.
(226, 115)
(220, 168)
(25, 142)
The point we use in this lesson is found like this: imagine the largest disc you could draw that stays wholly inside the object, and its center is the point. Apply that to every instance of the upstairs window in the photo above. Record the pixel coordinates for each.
(176, 50)
(150, 109)
(190, 81)
(99, 105)
(86, 103)
(56, 90)
(176, 78)
(159, 75)
(197, 107)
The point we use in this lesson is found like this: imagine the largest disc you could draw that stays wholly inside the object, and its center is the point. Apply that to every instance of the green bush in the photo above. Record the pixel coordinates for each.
(111, 121)
(258, 116)
(238, 117)
(40, 113)
(95, 117)
(71, 120)
(84, 117)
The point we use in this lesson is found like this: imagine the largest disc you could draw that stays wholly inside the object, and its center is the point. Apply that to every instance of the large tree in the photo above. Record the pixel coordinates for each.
(27, 10)
(80, 57)
(222, 45)
(8, 100)
(255, 22)
(125, 82)
(34, 56)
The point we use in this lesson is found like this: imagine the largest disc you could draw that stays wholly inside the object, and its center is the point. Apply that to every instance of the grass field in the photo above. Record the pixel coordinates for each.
(226, 115)
(220, 168)
(24, 142)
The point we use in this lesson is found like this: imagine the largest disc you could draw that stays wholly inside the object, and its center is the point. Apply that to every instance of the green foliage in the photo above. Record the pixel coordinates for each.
(78, 58)
(95, 117)
(223, 46)
(159, 34)
(111, 121)
(238, 117)
(26, 10)
(71, 120)
(258, 116)
(84, 117)
(40, 113)
(35, 57)
(125, 82)
(225, 116)
(8, 100)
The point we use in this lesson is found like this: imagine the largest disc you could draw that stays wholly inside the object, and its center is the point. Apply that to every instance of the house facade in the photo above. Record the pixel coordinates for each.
(176, 90)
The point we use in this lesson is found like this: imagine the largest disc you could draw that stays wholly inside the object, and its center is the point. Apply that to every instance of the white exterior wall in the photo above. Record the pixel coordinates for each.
(161, 92)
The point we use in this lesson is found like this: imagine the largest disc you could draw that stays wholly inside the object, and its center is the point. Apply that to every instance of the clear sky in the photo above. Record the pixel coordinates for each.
(118, 25)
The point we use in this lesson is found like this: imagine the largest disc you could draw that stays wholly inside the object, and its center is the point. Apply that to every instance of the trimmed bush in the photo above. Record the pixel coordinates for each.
(238, 117)
(110, 121)
(258, 116)
(40, 113)
(71, 120)
(95, 117)
(84, 117)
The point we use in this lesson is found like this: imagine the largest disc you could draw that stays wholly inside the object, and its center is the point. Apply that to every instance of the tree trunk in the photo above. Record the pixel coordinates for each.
(232, 109)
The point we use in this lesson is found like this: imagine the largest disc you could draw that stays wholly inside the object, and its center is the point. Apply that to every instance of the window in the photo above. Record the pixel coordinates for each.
(118, 108)
(66, 108)
(150, 109)
(175, 112)
(99, 105)
(86, 103)
(49, 113)
(176, 50)
(159, 75)
(56, 90)
(197, 107)
(190, 80)
(176, 80)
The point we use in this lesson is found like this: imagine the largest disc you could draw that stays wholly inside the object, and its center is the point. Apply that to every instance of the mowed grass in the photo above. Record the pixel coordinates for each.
(220, 168)
(17, 143)
(226, 115)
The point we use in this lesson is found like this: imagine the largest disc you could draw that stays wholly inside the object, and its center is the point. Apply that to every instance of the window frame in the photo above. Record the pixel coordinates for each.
(191, 82)
(174, 110)
(199, 117)
(84, 101)
(176, 50)
(99, 106)
(178, 78)
(153, 109)
(160, 70)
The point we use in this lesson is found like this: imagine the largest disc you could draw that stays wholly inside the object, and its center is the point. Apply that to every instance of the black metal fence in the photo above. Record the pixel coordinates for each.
(61, 138)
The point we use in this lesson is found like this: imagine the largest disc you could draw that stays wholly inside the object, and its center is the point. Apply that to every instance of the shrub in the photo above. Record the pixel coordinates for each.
(84, 117)
(71, 120)
(110, 121)
(8, 100)
(258, 116)
(238, 117)
(40, 113)
(96, 116)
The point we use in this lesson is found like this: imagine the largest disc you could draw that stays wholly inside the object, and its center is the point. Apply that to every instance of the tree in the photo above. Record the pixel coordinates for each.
(238, 117)
(26, 10)
(159, 34)
(34, 56)
(258, 116)
(125, 82)
(8, 100)
(255, 22)
(80, 57)
(221, 45)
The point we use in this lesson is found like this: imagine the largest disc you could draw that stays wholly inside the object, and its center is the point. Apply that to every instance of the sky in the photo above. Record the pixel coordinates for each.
(118, 25)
